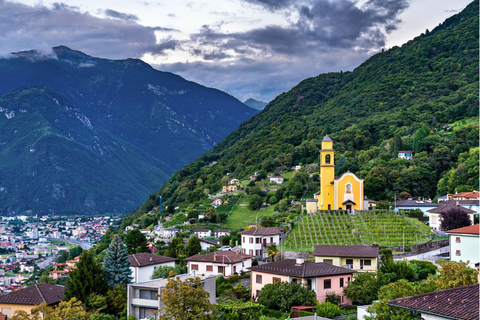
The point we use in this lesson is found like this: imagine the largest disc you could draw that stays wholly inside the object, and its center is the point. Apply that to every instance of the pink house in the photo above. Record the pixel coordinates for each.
(321, 277)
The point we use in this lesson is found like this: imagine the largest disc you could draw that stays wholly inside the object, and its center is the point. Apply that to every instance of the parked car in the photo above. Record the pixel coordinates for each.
(225, 248)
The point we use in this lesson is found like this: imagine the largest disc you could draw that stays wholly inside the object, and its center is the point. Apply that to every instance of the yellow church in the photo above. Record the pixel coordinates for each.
(336, 193)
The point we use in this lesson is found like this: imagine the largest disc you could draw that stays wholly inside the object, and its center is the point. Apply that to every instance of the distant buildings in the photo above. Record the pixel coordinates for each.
(406, 155)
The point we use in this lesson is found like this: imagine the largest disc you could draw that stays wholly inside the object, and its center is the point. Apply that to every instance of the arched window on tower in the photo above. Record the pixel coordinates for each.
(327, 159)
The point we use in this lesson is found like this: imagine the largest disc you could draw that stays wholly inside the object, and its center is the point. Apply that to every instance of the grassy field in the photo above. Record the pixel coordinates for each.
(63, 243)
(241, 216)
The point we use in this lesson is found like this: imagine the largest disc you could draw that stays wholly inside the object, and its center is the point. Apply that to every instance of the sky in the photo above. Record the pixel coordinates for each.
(248, 48)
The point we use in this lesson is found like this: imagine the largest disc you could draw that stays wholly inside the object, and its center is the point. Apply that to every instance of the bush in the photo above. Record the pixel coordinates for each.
(328, 310)
(254, 262)
(332, 297)
(232, 279)
(273, 313)
(101, 316)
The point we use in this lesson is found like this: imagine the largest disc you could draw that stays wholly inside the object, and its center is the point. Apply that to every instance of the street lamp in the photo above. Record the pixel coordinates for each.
(403, 236)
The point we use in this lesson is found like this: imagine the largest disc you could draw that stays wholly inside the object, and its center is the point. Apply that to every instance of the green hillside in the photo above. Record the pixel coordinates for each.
(405, 98)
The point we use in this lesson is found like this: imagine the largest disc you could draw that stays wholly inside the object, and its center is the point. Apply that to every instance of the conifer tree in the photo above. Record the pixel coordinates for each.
(86, 280)
(116, 264)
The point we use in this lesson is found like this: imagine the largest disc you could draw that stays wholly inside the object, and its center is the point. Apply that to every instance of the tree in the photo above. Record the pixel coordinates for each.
(255, 202)
(283, 295)
(134, 240)
(66, 310)
(117, 300)
(194, 246)
(272, 251)
(87, 279)
(116, 264)
(364, 287)
(45, 278)
(164, 272)
(186, 300)
(453, 218)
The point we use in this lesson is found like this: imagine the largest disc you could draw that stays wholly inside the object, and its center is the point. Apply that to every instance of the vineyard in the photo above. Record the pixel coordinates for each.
(362, 228)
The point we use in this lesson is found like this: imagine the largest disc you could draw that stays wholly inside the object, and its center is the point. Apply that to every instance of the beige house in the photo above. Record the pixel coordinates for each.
(30, 297)
(434, 214)
(358, 258)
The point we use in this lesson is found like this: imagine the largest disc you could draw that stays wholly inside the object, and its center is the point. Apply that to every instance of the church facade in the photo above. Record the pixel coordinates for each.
(336, 193)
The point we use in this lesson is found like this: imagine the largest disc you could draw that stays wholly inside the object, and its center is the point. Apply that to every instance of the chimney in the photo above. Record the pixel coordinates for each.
(299, 261)
(151, 259)
(457, 203)
(375, 245)
(214, 257)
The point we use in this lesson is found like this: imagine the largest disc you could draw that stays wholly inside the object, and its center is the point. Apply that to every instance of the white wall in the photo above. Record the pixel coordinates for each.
(229, 268)
(468, 247)
(142, 274)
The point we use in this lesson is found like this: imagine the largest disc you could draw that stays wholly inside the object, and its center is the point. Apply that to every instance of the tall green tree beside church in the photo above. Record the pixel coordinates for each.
(116, 264)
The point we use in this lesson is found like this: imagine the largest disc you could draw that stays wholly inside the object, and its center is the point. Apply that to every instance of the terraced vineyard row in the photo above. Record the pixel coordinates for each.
(362, 228)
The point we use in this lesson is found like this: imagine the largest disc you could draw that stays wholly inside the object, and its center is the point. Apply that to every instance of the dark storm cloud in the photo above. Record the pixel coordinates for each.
(26, 27)
(120, 15)
(323, 25)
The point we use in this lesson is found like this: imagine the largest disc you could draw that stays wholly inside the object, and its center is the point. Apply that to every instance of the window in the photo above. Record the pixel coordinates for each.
(148, 294)
(209, 268)
(257, 240)
(457, 239)
(250, 252)
(348, 279)
(457, 252)
(250, 239)
(195, 267)
(243, 240)
(367, 262)
(309, 284)
(275, 280)
(257, 292)
(258, 279)
(327, 284)
(327, 159)
(257, 252)
(271, 239)
(147, 313)
(341, 282)
(329, 261)
(434, 219)
(234, 269)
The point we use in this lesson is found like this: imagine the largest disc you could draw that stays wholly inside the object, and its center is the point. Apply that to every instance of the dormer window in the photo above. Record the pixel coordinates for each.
(327, 159)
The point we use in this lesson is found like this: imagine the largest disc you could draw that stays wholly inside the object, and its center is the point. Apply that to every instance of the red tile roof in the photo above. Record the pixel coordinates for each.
(224, 257)
(148, 259)
(456, 303)
(469, 229)
(307, 269)
(346, 251)
(35, 295)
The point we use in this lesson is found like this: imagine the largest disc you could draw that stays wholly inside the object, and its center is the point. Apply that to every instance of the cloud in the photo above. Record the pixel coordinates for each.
(26, 27)
(119, 15)
(271, 5)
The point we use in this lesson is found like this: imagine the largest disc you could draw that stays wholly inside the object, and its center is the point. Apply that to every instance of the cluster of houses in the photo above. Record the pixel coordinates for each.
(334, 267)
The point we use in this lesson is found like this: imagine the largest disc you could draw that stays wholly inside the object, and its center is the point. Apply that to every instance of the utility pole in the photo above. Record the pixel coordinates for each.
(403, 242)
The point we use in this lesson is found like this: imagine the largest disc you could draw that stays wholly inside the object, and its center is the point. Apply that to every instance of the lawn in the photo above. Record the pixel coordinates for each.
(241, 216)
(63, 243)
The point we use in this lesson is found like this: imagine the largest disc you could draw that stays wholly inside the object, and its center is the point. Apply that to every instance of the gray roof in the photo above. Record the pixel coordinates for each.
(35, 295)
(346, 251)
(327, 138)
(449, 205)
(147, 259)
(269, 231)
(307, 269)
(456, 303)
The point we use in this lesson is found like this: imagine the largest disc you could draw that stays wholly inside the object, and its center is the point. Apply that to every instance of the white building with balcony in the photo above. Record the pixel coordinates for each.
(256, 240)
(143, 299)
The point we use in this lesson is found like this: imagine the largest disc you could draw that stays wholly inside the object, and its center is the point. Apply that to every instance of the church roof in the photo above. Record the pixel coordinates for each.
(327, 138)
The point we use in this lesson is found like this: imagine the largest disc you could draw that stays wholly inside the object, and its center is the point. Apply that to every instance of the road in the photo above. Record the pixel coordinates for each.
(50, 260)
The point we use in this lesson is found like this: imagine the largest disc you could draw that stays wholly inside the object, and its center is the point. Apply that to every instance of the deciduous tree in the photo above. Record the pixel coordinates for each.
(136, 242)
(283, 295)
(453, 218)
(186, 300)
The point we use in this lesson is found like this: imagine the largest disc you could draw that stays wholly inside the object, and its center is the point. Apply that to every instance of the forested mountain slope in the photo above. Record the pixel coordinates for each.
(87, 135)
(422, 96)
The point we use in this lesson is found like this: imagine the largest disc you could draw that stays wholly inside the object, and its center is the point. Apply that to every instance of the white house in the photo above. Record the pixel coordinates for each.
(221, 233)
(464, 245)
(170, 232)
(434, 214)
(277, 180)
(143, 299)
(202, 233)
(146, 232)
(143, 265)
(205, 244)
(407, 155)
(215, 203)
(225, 263)
(256, 240)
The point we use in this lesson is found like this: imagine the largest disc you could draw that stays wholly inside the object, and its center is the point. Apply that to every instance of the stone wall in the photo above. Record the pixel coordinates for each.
(423, 247)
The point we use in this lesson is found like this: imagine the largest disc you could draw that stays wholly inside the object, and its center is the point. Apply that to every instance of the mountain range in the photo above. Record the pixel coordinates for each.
(80, 134)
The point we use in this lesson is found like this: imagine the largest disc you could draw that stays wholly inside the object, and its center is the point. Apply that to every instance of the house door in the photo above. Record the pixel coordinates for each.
(349, 208)
(221, 270)
(264, 242)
